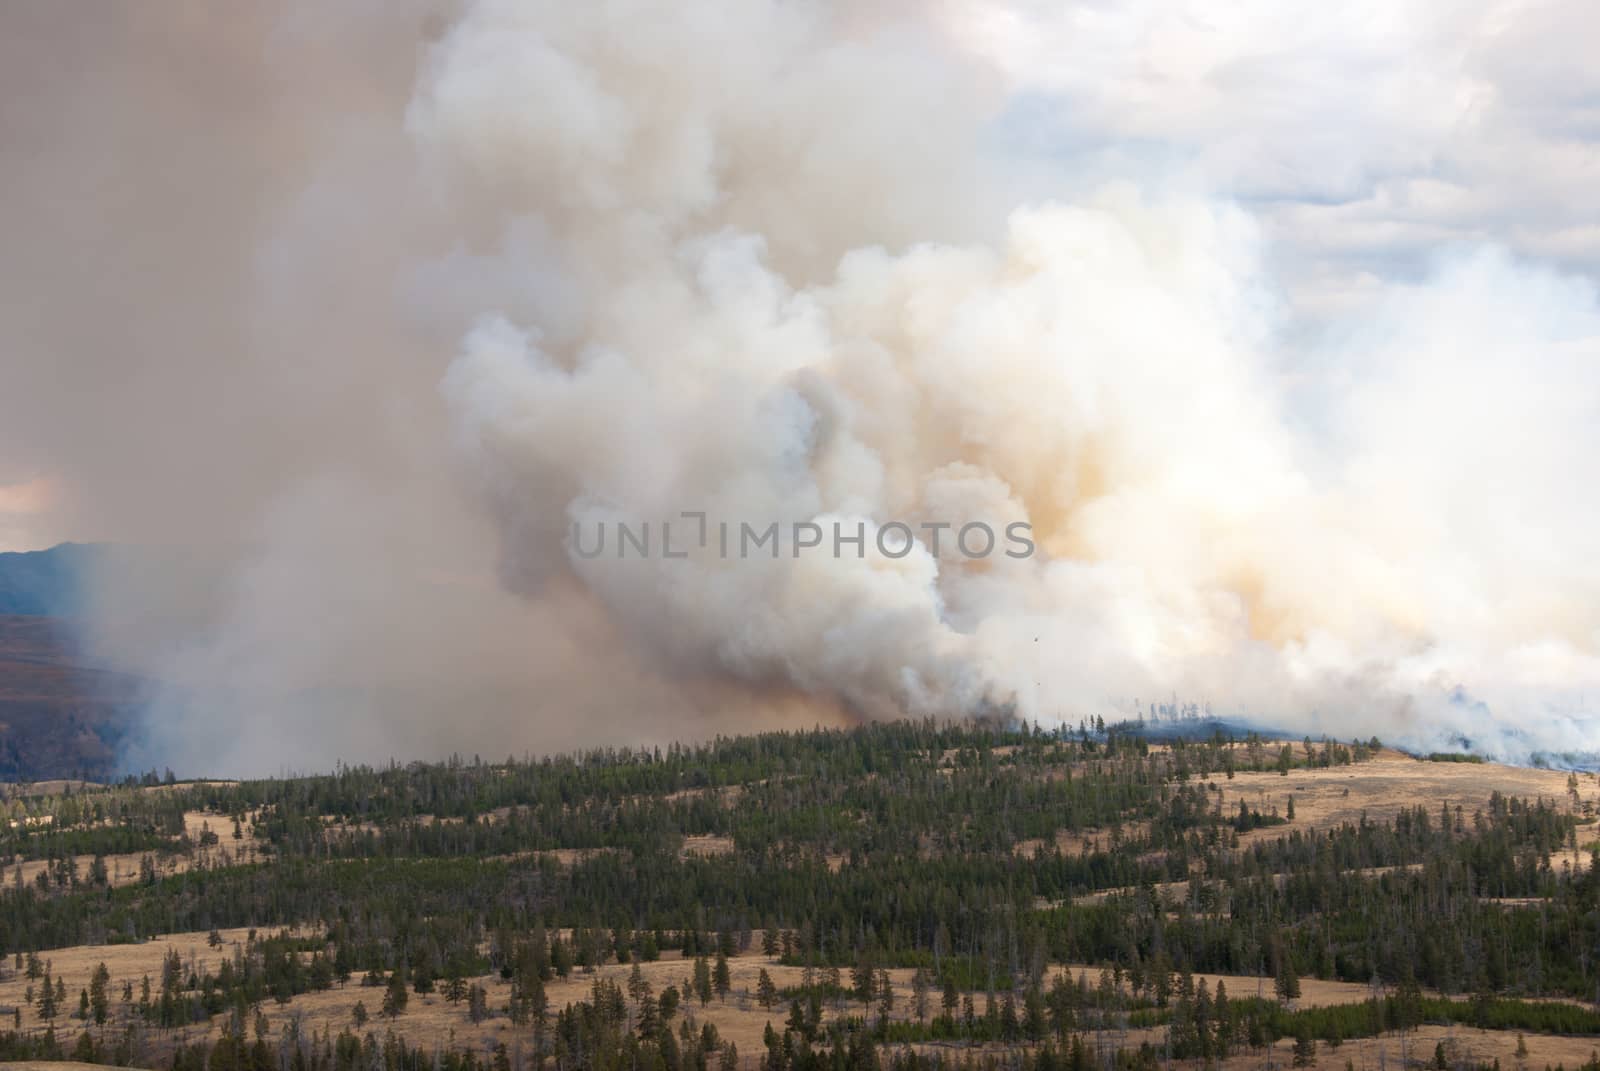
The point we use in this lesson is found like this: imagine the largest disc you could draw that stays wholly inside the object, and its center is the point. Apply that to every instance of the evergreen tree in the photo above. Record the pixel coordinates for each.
(862, 979)
(919, 994)
(1287, 983)
(47, 1000)
(701, 983)
(396, 996)
(99, 998)
(1305, 1047)
(885, 995)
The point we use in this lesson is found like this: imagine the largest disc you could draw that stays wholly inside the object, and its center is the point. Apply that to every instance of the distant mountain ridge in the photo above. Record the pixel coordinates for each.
(60, 715)
(46, 583)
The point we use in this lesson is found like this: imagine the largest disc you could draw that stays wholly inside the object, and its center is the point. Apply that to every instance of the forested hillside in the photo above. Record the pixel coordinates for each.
(60, 714)
(45, 583)
(899, 893)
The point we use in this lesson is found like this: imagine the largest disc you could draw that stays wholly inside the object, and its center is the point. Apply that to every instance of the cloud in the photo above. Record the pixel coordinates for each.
(1364, 137)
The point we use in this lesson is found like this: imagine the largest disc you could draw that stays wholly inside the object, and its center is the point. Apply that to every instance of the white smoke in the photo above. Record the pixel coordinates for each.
(780, 262)
(1107, 370)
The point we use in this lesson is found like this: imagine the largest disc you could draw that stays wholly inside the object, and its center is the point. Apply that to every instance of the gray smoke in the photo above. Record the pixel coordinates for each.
(353, 312)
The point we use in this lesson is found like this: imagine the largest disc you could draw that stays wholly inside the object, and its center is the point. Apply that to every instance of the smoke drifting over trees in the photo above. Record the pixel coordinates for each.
(351, 314)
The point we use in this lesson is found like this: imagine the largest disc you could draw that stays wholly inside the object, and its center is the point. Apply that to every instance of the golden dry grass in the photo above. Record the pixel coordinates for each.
(1324, 798)
(123, 868)
(428, 1020)
(1313, 993)
(1328, 797)
(1462, 1045)
(1086, 841)
(706, 844)
(431, 1020)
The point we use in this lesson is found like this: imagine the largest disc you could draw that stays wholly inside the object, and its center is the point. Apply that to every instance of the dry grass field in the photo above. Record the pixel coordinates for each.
(429, 1019)
(125, 868)
(1324, 798)
(1329, 797)
(1332, 796)
(432, 1020)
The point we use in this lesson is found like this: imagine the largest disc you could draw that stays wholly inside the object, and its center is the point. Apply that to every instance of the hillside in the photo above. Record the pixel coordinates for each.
(60, 714)
(892, 896)
(45, 583)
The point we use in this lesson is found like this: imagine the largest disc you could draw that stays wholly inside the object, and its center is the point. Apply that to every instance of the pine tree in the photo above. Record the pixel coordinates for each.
(396, 996)
(622, 944)
(1305, 1047)
(649, 1017)
(1220, 1012)
(862, 978)
(797, 1022)
(702, 980)
(722, 979)
(638, 988)
(1034, 1020)
(99, 999)
(919, 994)
(766, 992)
(560, 958)
(84, 1051)
(422, 972)
(47, 1000)
(1287, 983)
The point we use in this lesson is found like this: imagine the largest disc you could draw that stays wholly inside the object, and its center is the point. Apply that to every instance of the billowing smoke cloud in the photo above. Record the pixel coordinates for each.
(363, 314)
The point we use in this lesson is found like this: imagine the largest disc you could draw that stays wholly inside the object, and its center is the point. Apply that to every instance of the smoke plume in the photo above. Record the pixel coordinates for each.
(351, 315)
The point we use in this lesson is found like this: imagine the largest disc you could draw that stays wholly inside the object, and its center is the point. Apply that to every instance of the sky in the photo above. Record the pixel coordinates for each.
(1368, 139)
